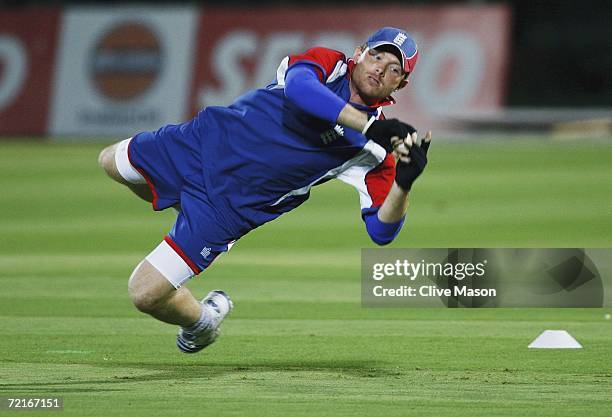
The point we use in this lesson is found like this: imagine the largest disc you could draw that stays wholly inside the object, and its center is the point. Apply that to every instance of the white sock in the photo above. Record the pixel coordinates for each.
(202, 322)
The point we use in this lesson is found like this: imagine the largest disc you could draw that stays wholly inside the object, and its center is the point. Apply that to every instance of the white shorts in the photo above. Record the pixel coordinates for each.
(125, 168)
(170, 264)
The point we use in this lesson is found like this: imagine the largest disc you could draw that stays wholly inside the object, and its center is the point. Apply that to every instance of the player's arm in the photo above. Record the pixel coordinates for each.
(305, 89)
(384, 224)
(412, 158)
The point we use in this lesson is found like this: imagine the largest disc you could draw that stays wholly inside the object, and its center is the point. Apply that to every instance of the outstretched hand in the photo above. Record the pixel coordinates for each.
(382, 131)
(411, 159)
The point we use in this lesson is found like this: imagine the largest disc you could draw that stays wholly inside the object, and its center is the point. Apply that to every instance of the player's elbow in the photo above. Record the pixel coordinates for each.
(382, 233)
(382, 241)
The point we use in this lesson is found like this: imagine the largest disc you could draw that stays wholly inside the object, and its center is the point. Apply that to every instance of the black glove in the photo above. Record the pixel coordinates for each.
(381, 132)
(407, 173)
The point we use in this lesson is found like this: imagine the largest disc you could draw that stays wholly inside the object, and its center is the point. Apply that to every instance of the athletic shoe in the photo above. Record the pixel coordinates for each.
(215, 306)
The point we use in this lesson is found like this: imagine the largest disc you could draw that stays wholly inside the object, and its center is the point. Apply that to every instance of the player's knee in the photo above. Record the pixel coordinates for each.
(147, 289)
(106, 158)
(145, 302)
(145, 299)
(141, 296)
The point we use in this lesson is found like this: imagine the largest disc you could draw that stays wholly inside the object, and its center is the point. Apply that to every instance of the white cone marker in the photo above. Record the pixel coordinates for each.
(555, 339)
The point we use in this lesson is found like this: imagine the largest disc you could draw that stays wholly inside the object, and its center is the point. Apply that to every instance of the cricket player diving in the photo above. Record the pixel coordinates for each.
(231, 169)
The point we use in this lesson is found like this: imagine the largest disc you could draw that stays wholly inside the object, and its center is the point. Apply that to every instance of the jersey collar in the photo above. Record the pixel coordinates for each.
(387, 101)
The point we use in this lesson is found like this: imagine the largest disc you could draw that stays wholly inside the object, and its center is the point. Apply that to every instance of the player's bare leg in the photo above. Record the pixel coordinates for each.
(153, 294)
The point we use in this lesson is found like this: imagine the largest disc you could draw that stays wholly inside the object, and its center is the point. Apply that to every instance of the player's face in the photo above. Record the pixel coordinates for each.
(376, 75)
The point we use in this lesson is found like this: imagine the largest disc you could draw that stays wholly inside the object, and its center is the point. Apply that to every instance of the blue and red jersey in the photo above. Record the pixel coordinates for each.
(262, 154)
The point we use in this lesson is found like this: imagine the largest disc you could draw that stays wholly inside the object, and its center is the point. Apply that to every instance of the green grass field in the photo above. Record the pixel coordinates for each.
(298, 342)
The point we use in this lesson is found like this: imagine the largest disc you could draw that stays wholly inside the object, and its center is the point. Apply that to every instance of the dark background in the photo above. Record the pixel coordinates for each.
(561, 51)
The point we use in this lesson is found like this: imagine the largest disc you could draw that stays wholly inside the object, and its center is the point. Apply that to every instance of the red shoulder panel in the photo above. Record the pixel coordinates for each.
(324, 58)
